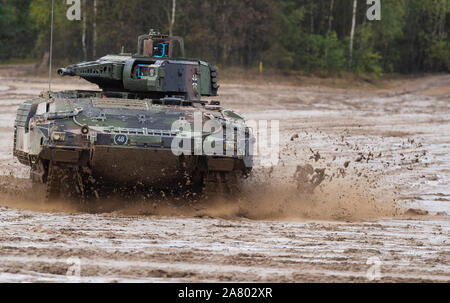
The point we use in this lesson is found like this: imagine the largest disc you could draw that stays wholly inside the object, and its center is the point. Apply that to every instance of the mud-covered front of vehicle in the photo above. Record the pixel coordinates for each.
(129, 141)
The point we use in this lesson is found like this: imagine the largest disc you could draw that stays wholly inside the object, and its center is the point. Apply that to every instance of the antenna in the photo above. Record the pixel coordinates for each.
(51, 51)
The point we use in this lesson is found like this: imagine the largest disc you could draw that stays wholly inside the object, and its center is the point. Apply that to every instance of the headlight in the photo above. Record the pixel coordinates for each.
(152, 72)
(58, 136)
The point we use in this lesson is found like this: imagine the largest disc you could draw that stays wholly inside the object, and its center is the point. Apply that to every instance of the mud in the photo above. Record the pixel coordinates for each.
(362, 186)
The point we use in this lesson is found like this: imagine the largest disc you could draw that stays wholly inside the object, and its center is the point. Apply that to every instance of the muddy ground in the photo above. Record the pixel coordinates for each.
(381, 212)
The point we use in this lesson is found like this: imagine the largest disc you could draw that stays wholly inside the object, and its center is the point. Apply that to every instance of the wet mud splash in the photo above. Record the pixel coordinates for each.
(305, 185)
(309, 194)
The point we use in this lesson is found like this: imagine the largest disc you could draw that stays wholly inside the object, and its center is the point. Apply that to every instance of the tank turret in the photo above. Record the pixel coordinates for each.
(157, 70)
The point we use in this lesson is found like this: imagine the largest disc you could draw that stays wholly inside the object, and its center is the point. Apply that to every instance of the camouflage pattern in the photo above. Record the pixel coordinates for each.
(153, 74)
(124, 135)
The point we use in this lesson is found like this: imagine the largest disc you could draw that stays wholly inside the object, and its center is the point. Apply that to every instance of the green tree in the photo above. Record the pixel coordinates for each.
(17, 32)
(305, 35)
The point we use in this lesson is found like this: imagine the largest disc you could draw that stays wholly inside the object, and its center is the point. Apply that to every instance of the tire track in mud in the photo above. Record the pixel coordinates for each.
(176, 249)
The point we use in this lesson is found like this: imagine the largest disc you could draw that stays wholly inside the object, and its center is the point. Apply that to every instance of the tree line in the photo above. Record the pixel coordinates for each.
(316, 36)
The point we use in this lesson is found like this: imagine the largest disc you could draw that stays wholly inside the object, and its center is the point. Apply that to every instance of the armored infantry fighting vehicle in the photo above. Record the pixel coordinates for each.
(148, 126)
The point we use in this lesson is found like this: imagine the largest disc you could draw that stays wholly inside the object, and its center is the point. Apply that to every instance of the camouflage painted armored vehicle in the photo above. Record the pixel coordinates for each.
(147, 127)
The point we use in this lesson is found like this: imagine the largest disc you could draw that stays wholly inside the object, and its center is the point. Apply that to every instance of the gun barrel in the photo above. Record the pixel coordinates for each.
(65, 72)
